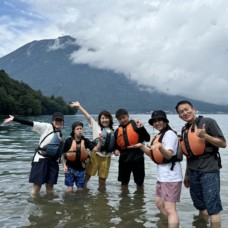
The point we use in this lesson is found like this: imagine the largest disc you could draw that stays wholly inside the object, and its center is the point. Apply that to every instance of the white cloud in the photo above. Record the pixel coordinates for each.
(177, 47)
(21, 24)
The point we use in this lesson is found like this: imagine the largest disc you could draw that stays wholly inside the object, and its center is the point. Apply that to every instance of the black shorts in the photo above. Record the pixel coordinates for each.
(136, 167)
(44, 171)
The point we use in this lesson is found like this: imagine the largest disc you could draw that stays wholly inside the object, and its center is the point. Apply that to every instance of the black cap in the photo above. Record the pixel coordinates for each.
(159, 114)
(57, 115)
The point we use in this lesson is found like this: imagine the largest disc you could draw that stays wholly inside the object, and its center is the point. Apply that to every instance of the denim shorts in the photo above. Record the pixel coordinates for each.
(74, 176)
(205, 191)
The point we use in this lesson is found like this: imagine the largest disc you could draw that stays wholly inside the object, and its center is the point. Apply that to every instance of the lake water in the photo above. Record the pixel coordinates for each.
(91, 207)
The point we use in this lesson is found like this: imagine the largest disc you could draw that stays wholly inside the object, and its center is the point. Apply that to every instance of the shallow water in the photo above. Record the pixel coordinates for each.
(90, 207)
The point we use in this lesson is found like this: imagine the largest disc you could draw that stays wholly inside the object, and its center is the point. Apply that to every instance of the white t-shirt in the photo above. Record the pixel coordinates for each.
(43, 129)
(164, 173)
(96, 130)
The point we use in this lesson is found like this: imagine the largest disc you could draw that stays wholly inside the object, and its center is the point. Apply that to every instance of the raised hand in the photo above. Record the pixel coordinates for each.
(9, 119)
(138, 123)
(116, 152)
(74, 104)
(201, 132)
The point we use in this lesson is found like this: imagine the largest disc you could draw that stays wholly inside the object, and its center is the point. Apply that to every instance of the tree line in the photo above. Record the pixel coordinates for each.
(17, 98)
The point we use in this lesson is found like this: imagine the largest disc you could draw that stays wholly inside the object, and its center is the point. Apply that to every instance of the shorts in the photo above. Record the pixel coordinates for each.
(169, 191)
(44, 171)
(136, 167)
(205, 191)
(74, 176)
(98, 164)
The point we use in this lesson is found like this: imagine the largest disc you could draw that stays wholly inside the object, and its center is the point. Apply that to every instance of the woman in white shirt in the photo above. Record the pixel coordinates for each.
(163, 151)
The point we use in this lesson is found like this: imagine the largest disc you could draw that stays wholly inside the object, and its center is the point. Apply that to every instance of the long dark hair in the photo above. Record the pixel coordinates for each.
(167, 128)
(108, 115)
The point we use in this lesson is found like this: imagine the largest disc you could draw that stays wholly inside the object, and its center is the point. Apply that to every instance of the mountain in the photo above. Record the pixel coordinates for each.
(44, 67)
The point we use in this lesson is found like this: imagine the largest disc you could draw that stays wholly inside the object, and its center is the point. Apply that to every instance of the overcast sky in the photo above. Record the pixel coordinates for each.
(179, 47)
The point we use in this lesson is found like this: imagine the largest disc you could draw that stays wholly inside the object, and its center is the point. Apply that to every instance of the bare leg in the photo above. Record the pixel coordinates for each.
(124, 186)
(203, 213)
(35, 189)
(215, 220)
(87, 178)
(168, 209)
(70, 189)
(160, 205)
(49, 188)
(171, 212)
(102, 183)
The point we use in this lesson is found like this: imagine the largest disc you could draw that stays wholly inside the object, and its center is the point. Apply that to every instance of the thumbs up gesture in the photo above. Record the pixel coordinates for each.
(202, 132)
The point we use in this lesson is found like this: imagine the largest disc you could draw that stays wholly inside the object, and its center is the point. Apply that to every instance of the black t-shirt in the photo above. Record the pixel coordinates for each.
(77, 165)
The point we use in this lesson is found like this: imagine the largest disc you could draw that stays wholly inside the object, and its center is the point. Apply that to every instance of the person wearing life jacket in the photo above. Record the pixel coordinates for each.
(158, 157)
(74, 157)
(131, 160)
(44, 169)
(100, 160)
(163, 152)
(202, 173)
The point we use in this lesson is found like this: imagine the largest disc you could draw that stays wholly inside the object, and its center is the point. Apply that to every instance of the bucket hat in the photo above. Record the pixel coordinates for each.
(159, 114)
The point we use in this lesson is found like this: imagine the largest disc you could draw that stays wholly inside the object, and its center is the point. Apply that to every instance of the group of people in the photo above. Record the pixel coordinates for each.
(199, 141)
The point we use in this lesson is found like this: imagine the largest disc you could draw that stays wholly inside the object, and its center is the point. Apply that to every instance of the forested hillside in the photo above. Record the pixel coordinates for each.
(18, 98)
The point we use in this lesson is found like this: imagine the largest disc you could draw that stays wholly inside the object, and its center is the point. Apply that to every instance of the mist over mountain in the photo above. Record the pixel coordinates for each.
(45, 65)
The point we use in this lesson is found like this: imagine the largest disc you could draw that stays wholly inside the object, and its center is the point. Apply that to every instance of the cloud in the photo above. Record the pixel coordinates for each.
(177, 47)
(21, 24)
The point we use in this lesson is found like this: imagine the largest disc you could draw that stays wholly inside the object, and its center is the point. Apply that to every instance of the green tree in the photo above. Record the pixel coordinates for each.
(18, 98)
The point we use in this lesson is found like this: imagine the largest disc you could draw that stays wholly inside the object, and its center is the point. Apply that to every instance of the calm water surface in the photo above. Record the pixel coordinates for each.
(91, 207)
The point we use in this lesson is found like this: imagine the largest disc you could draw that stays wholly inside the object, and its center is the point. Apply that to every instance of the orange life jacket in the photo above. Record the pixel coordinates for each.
(158, 157)
(191, 144)
(156, 154)
(77, 151)
(127, 136)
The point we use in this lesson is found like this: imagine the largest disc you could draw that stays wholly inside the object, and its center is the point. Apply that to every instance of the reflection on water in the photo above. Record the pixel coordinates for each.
(90, 207)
